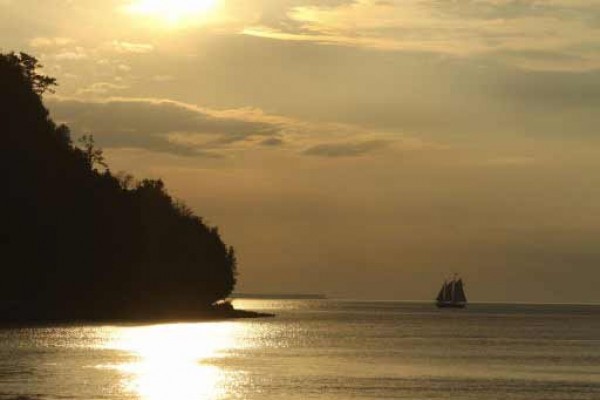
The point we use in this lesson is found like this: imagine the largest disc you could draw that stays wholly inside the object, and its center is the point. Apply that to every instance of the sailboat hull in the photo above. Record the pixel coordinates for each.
(450, 305)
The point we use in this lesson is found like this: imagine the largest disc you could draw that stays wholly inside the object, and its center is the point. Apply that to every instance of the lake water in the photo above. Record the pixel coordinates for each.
(317, 349)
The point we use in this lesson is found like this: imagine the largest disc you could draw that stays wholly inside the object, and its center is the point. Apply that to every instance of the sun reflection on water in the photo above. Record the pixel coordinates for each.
(173, 361)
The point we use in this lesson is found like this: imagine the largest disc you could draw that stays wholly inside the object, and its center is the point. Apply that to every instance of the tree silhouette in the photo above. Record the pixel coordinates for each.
(29, 66)
(86, 244)
(93, 155)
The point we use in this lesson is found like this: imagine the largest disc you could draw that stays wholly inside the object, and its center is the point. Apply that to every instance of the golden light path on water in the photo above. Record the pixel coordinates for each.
(172, 361)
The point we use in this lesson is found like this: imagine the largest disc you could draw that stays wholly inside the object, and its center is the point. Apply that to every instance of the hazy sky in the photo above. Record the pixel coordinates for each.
(363, 148)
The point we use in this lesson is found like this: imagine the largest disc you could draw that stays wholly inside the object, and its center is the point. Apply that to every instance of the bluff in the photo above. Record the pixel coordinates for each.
(79, 242)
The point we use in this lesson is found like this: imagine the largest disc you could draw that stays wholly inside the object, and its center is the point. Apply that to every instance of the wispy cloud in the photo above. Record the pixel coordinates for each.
(161, 125)
(130, 47)
(272, 142)
(565, 33)
(76, 53)
(186, 129)
(101, 88)
(346, 149)
(49, 42)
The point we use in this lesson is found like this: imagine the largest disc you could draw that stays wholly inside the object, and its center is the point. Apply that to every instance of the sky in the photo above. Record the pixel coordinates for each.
(354, 148)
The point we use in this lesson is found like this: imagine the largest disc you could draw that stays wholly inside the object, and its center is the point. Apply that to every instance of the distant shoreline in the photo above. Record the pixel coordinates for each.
(430, 301)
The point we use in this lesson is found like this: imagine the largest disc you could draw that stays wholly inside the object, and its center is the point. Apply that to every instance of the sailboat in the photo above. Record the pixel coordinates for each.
(452, 294)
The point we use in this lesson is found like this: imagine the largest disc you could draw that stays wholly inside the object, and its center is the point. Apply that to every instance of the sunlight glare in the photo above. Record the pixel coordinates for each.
(173, 11)
(173, 361)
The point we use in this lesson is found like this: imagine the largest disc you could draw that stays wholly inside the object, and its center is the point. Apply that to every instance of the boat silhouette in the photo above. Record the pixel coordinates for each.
(452, 294)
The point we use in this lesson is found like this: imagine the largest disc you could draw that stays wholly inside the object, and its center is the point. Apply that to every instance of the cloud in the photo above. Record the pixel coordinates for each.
(77, 53)
(564, 32)
(123, 68)
(49, 42)
(99, 88)
(272, 142)
(161, 125)
(184, 129)
(130, 47)
(347, 149)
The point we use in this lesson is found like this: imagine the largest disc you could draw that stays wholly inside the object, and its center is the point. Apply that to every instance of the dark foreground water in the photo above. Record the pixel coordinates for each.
(317, 349)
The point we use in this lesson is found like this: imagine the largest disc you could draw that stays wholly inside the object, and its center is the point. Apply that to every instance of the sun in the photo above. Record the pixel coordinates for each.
(171, 11)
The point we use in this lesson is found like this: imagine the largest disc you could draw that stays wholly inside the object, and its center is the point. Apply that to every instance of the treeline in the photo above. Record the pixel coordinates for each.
(79, 242)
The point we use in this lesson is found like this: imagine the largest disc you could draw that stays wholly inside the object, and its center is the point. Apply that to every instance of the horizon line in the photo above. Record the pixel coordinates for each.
(290, 296)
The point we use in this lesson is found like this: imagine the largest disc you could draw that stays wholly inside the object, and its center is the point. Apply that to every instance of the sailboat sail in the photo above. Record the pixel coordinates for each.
(459, 292)
(441, 294)
(448, 291)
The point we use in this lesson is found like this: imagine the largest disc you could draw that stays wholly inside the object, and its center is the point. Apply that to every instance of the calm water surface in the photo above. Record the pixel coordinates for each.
(317, 349)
